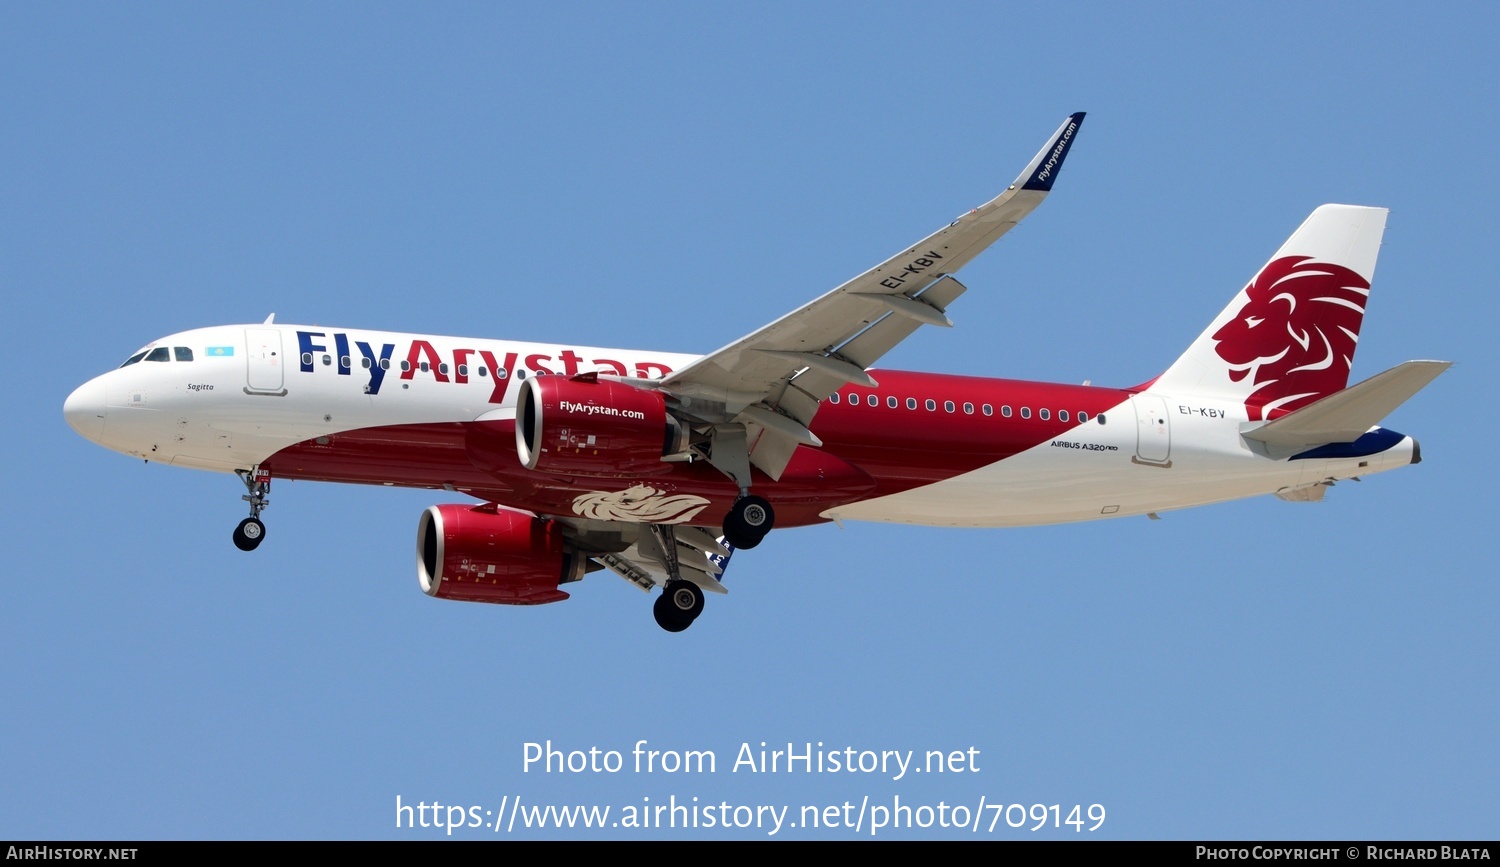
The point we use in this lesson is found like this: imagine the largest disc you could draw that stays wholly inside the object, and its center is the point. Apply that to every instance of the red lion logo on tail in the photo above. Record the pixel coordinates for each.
(1296, 335)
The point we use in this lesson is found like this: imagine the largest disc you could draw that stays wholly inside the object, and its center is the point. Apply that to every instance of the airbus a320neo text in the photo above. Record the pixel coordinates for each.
(658, 465)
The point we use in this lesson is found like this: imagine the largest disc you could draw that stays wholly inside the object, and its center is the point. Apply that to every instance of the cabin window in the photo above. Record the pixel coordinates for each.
(500, 373)
(874, 401)
(1083, 417)
(385, 364)
(463, 370)
(484, 371)
(443, 368)
(931, 405)
(968, 409)
(892, 402)
(1025, 412)
(911, 403)
(405, 366)
(521, 374)
(1043, 414)
(833, 398)
(987, 409)
(182, 353)
(344, 362)
(1100, 418)
(365, 363)
(1062, 415)
(327, 360)
(422, 366)
(1005, 410)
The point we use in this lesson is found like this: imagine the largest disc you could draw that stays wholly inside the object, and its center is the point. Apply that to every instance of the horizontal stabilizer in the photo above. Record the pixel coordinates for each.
(1345, 416)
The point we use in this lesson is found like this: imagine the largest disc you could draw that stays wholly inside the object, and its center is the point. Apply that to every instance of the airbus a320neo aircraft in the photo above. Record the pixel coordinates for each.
(658, 465)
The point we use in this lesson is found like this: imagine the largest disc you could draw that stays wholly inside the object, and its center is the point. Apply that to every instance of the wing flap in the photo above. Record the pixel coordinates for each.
(872, 343)
(700, 558)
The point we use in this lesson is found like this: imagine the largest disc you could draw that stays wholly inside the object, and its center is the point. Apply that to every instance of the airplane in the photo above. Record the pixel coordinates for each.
(658, 466)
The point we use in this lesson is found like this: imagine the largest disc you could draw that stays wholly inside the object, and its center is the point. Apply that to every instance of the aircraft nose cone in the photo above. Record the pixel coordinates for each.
(84, 410)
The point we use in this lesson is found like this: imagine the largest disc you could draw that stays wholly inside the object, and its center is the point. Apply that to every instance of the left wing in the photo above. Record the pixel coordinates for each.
(764, 389)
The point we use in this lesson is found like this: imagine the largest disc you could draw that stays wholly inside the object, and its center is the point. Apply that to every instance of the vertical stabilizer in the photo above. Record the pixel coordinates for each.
(1288, 338)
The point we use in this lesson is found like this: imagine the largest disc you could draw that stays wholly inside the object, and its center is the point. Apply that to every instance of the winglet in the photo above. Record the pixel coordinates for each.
(722, 560)
(1042, 172)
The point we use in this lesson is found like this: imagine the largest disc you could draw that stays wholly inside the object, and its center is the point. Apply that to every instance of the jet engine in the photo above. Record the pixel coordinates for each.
(586, 426)
(490, 554)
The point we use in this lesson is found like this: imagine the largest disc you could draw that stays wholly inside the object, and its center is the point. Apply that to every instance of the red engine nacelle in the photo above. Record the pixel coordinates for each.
(591, 427)
(487, 554)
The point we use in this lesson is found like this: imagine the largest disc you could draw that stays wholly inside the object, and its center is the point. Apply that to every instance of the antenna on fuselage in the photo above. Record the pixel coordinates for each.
(270, 320)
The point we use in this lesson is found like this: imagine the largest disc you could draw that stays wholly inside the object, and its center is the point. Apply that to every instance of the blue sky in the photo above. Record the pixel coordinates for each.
(671, 176)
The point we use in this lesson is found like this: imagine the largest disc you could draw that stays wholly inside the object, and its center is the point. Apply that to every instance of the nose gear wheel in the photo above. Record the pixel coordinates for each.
(251, 531)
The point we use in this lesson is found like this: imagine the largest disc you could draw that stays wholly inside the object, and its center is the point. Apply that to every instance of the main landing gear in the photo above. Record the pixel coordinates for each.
(678, 606)
(748, 521)
(681, 601)
(250, 532)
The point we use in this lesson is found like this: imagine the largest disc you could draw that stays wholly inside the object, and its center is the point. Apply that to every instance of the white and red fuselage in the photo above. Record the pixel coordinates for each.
(420, 411)
(584, 458)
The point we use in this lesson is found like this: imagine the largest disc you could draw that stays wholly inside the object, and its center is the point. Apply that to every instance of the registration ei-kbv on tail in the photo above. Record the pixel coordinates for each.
(657, 466)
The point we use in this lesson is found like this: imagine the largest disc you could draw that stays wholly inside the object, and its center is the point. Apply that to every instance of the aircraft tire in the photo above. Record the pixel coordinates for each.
(737, 535)
(685, 598)
(667, 615)
(249, 534)
(749, 520)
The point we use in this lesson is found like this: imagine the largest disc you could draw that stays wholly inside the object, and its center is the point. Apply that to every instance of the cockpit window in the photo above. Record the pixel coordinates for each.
(134, 358)
(159, 354)
(182, 353)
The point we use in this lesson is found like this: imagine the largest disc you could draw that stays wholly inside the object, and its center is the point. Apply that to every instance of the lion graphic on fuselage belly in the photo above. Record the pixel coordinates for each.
(1295, 335)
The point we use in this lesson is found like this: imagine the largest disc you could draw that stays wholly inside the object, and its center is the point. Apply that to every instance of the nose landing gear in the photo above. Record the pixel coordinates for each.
(250, 532)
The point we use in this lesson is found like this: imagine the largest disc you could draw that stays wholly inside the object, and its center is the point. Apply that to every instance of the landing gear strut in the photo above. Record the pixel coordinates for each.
(748, 521)
(251, 531)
